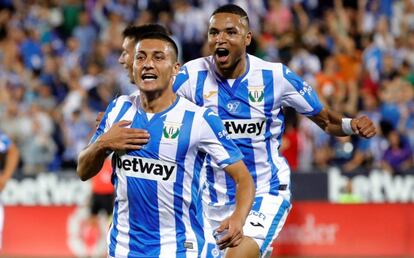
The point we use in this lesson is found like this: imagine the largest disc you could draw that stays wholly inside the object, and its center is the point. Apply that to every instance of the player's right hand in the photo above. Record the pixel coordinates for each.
(119, 138)
(363, 126)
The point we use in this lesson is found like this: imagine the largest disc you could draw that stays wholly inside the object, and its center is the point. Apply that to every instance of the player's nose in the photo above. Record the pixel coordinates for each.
(221, 37)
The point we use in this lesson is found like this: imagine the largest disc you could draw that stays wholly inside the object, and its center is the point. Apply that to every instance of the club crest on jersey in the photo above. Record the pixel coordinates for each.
(171, 130)
(256, 94)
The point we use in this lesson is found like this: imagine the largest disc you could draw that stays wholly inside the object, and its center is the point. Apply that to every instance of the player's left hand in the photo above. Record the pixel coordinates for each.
(363, 126)
(234, 227)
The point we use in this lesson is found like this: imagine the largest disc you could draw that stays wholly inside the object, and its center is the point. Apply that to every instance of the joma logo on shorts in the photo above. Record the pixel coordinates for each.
(146, 168)
(244, 128)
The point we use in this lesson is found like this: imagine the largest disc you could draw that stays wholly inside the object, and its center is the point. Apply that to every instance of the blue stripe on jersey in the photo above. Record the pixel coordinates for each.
(268, 107)
(246, 147)
(242, 112)
(276, 220)
(304, 89)
(181, 77)
(201, 78)
(184, 140)
(196, 207)
(274, 187)
(210, 179)
(142, 195)
(281, 117)
(101, 126)
(123, 110)
(114, 231)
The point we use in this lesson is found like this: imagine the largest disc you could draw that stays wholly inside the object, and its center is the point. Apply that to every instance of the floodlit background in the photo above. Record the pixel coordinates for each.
(59, 68)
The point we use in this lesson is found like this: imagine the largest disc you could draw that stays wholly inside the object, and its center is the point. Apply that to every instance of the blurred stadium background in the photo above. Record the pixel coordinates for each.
(351, 197)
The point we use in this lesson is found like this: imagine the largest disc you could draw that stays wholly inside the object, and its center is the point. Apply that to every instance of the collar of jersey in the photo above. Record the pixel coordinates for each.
(142, 111)
(225, 84)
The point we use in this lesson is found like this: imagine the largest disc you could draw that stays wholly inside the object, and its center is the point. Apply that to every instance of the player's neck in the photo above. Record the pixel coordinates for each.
(157, 101)
(235, 71)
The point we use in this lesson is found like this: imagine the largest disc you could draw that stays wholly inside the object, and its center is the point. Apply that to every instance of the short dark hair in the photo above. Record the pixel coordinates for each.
(234, 9)
(136, 32)
(160, 36)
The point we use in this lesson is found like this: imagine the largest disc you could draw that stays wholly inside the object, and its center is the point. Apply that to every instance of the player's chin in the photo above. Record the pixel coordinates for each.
(223, 65)
(148, 85)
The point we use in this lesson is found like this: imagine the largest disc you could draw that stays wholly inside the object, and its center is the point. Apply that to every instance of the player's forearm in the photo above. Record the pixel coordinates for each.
(244, 196)
(330, 122)
(91, 160)
(245, 190)
(12, 160)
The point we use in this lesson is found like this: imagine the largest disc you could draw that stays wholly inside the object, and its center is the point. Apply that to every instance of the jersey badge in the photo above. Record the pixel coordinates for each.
(171, 130)
(256, 94)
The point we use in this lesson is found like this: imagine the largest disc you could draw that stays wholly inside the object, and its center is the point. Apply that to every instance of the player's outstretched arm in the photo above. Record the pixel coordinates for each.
(335, 124)
(244, 198)
(117, 138)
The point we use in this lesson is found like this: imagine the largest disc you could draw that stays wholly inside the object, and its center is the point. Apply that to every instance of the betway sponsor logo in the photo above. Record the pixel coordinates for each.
(247, 128)
(47, 189)
(146, 168)
(378, 186)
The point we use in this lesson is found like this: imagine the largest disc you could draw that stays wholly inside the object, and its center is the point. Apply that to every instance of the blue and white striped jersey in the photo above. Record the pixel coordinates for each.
(157, 204)
(4, 143)
(251, 109)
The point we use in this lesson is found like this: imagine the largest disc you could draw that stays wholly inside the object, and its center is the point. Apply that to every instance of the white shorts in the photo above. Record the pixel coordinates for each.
(263, 224)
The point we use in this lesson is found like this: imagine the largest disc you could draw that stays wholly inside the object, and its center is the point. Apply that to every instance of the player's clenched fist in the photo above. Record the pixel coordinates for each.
(118, 137)
(363, 127)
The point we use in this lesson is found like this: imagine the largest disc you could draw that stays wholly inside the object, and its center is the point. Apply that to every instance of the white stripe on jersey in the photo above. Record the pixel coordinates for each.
(167, 218)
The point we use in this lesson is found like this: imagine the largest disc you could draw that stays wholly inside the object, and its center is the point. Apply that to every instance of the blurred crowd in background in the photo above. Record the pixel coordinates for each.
(59, 68)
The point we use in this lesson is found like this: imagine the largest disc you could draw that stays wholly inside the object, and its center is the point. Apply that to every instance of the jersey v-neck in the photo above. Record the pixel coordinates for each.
(224, 83)
(150, 117)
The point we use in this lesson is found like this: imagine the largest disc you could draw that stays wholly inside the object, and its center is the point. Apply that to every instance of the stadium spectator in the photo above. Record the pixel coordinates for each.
(399, 156)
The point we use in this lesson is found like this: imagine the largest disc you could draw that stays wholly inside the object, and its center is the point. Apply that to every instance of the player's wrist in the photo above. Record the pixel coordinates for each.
(347, 126)
(103, 147)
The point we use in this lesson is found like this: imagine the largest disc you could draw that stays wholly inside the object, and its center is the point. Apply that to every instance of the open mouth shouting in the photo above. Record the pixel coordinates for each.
(222, 54)
(147, 77)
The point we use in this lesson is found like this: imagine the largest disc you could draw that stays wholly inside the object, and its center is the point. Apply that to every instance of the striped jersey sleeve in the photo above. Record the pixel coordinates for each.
(113, 114)
(104, 124)
(182, 85)
(215, 140)
(299, 94)
(190, 80)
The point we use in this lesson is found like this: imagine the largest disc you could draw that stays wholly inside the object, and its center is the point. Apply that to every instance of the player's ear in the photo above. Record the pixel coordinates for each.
(176, 68)
(248, 38)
